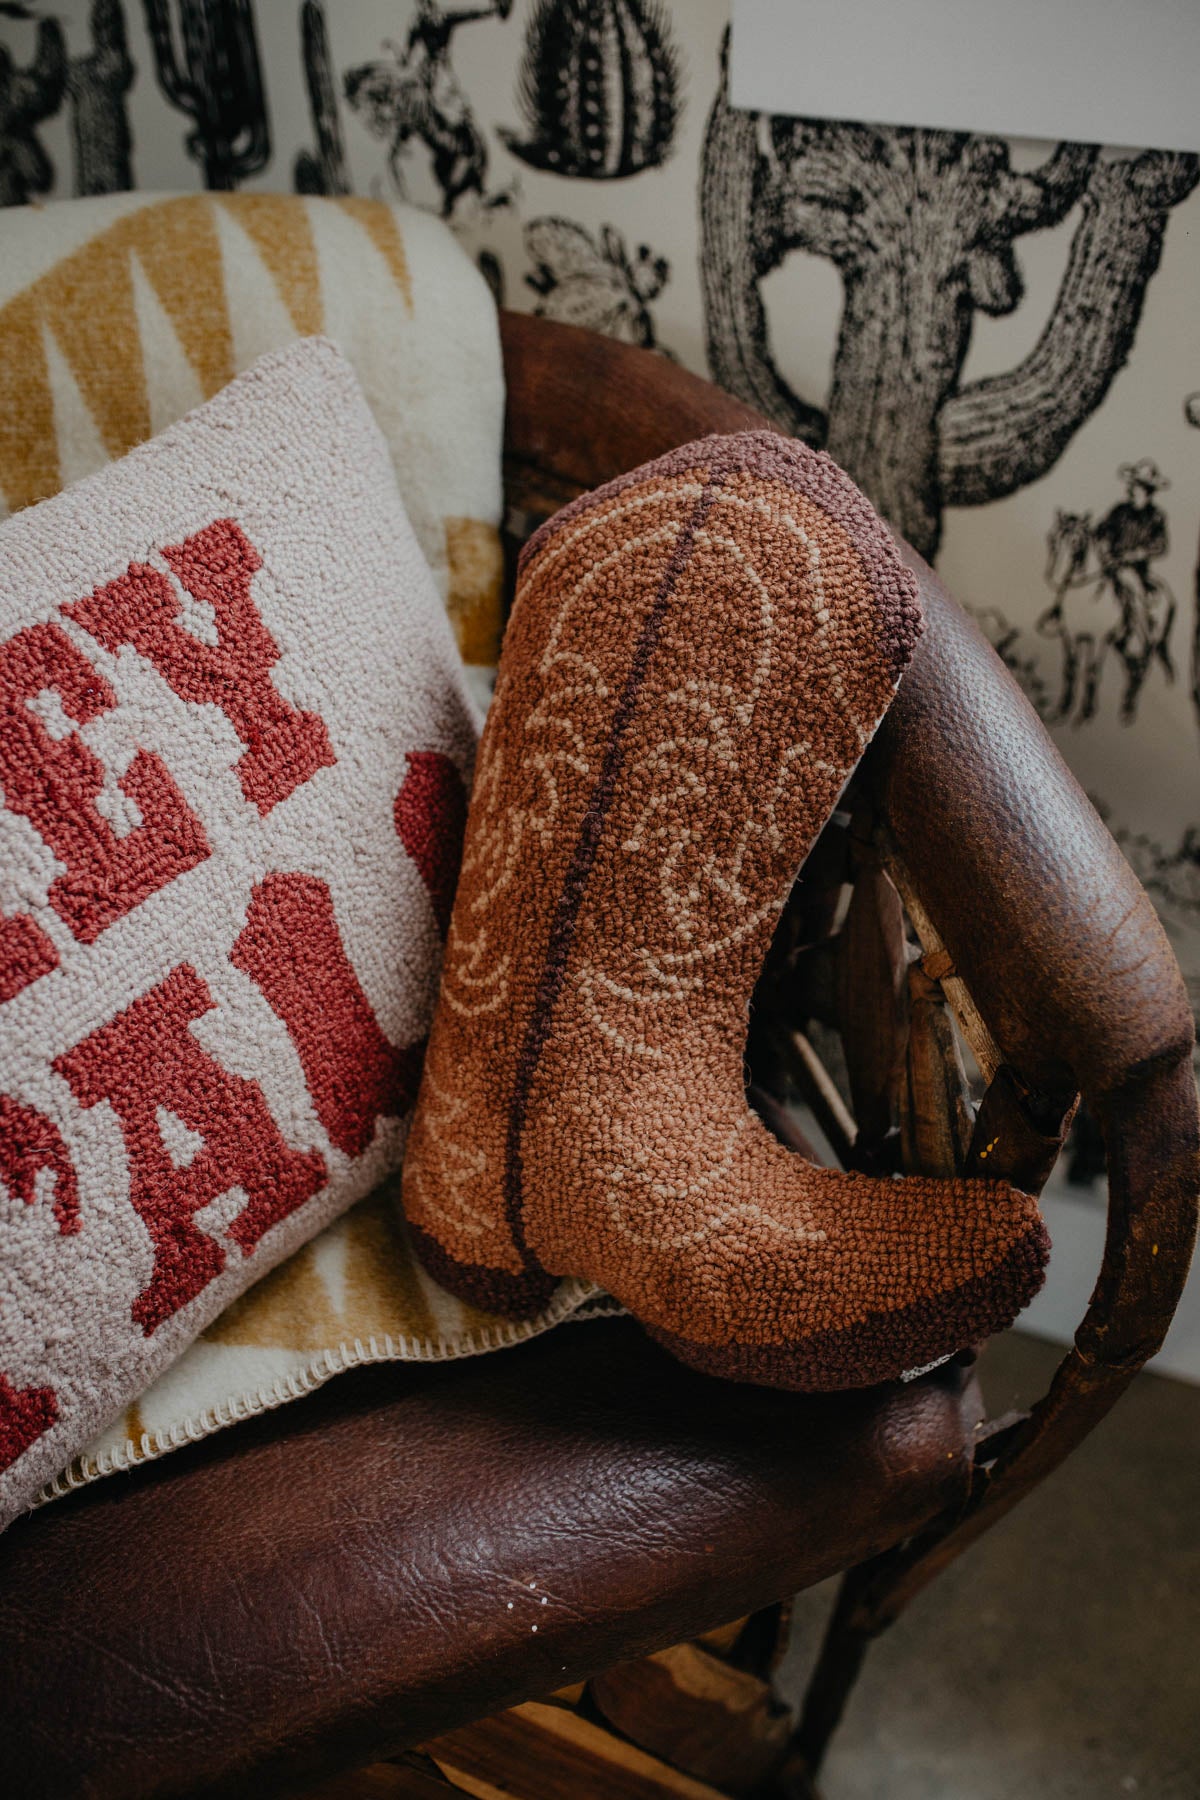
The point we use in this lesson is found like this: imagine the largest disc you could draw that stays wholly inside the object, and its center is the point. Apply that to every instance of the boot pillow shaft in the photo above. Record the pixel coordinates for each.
(698, 655)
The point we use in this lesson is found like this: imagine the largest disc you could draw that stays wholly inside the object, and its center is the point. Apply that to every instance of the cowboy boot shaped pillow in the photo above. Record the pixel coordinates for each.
(698, 655)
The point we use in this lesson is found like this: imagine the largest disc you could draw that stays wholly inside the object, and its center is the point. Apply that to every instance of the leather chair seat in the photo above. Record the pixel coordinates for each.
(413, 1548)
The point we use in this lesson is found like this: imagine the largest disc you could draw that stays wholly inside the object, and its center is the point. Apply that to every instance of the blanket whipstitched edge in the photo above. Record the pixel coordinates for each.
(574, 1302)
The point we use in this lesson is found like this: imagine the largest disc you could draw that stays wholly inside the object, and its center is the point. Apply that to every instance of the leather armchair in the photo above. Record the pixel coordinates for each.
(371, 1573)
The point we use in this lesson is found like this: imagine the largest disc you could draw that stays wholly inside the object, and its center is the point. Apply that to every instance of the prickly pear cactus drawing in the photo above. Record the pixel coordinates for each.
(598, 87)
(27, 97)
(594, 282)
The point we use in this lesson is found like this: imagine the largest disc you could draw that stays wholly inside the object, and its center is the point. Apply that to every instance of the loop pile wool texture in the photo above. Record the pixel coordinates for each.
(235, 744)
(698, 655)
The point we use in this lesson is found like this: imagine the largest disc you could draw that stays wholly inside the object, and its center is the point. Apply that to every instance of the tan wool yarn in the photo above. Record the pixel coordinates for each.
(698, 655)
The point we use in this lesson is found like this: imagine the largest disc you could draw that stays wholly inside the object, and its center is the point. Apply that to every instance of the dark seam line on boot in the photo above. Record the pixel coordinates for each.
(566, 912)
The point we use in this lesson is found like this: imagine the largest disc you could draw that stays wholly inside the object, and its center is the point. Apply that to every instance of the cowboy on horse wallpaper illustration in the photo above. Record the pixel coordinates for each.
(1112, 559)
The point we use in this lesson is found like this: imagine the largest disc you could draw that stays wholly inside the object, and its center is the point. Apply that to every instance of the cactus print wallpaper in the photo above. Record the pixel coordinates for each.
(999, 340)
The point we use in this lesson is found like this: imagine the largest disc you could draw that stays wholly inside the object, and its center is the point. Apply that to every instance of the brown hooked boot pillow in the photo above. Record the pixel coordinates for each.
(698, 654)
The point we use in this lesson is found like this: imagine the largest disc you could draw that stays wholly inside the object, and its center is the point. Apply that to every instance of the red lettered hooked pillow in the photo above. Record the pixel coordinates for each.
(234, 748)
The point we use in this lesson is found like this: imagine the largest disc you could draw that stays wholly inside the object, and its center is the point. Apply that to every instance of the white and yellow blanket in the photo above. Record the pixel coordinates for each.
(120, 314)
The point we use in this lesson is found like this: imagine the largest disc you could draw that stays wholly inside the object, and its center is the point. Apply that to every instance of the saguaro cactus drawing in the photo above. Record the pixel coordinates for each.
(322, 172)
(97, 85)
(27, 96)
(921, 226)
(214, 74)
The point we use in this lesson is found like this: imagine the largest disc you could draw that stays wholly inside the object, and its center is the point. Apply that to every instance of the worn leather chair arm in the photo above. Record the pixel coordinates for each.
(1060, 949)
(1048, 925)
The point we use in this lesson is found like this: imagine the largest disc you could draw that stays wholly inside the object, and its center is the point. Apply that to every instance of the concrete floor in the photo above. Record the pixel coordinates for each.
(1060, 1659)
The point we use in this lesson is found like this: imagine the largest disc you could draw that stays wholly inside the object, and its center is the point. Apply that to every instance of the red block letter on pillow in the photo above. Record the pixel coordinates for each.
(146, 1060)
(25, 953)
(284, 747)
(430, 814)
(30, 1143)
(292, 949)
(52, 778)
(25, 1413)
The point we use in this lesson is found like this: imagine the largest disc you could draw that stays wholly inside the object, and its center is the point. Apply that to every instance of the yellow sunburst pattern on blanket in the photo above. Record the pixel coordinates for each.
(119, 314)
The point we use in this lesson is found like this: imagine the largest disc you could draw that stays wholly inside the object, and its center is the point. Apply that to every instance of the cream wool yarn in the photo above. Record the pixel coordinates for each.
(235, 740)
